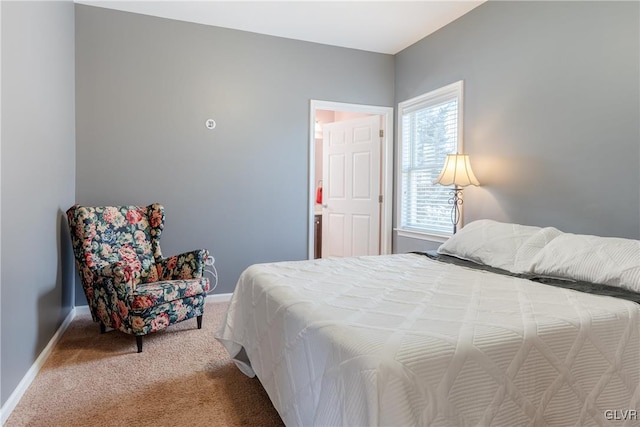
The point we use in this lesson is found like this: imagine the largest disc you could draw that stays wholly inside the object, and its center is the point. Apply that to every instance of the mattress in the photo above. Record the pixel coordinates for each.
(407, 340)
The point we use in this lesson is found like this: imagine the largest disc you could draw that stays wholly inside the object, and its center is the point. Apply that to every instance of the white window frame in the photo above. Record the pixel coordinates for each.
(425, 101)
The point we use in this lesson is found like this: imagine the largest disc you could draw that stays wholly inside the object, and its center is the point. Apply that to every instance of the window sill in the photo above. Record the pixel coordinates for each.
(440, 238)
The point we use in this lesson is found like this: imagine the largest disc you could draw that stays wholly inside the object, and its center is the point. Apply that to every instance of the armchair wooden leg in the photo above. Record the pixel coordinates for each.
(139, 343)
(199, 319)
(103, 328)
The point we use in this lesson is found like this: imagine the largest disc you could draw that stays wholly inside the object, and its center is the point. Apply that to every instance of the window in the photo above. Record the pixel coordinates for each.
(430, 128)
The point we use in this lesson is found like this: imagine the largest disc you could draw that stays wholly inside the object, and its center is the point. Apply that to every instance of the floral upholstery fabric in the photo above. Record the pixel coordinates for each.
(151, 294)
(129, 285)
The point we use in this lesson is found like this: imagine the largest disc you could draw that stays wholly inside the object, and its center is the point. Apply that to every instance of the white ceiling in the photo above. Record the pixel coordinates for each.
(376, 26)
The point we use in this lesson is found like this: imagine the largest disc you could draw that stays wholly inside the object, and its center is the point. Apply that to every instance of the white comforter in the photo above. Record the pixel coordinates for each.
(403, 340)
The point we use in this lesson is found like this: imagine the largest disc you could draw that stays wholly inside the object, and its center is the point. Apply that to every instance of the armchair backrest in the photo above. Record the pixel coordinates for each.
(105, 235)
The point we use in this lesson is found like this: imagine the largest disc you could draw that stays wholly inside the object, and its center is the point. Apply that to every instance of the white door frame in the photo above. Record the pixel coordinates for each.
(386, 174)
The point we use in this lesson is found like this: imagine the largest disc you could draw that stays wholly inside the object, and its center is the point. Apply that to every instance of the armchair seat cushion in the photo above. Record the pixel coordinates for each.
(152, 294)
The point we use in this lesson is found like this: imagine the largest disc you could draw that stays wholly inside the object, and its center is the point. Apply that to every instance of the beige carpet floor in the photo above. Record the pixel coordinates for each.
(183, 377)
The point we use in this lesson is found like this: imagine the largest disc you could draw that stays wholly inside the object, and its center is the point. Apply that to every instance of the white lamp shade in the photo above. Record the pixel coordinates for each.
(457, 171)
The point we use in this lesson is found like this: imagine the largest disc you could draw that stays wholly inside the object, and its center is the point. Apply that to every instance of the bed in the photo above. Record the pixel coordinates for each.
(491, 330)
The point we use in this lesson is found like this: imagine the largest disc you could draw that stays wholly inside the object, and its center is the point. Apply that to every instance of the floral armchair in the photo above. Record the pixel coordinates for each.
(129, 285)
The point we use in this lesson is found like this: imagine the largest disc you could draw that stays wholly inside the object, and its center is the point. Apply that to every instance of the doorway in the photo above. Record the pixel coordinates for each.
(324, 112)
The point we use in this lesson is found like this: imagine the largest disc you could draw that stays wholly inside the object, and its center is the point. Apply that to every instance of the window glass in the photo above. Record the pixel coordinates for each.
(430, 128)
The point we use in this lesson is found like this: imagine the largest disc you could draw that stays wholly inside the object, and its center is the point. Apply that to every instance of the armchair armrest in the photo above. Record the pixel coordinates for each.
(189, 265)
(120, 275)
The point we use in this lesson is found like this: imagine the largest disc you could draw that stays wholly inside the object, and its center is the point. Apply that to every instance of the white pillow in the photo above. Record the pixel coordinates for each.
(606, 260)
(532, 246)
(497, 244)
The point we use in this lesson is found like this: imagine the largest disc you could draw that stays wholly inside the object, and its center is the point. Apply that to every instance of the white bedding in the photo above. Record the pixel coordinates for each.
(404, 340)
(606, 260)
(498, 244)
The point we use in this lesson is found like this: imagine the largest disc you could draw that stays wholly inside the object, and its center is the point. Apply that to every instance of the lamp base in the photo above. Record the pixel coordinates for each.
(456, 201)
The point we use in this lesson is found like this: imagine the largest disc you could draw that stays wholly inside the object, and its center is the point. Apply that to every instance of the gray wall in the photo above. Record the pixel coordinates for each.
(551, 111)
(38, 180)
(145, 87)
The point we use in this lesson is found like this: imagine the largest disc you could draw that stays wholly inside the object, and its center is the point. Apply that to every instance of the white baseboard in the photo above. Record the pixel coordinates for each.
(28, 378)
(218, 298)
(82, 309)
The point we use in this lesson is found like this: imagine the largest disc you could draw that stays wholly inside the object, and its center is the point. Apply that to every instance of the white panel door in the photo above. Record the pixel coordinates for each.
(351, 177)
